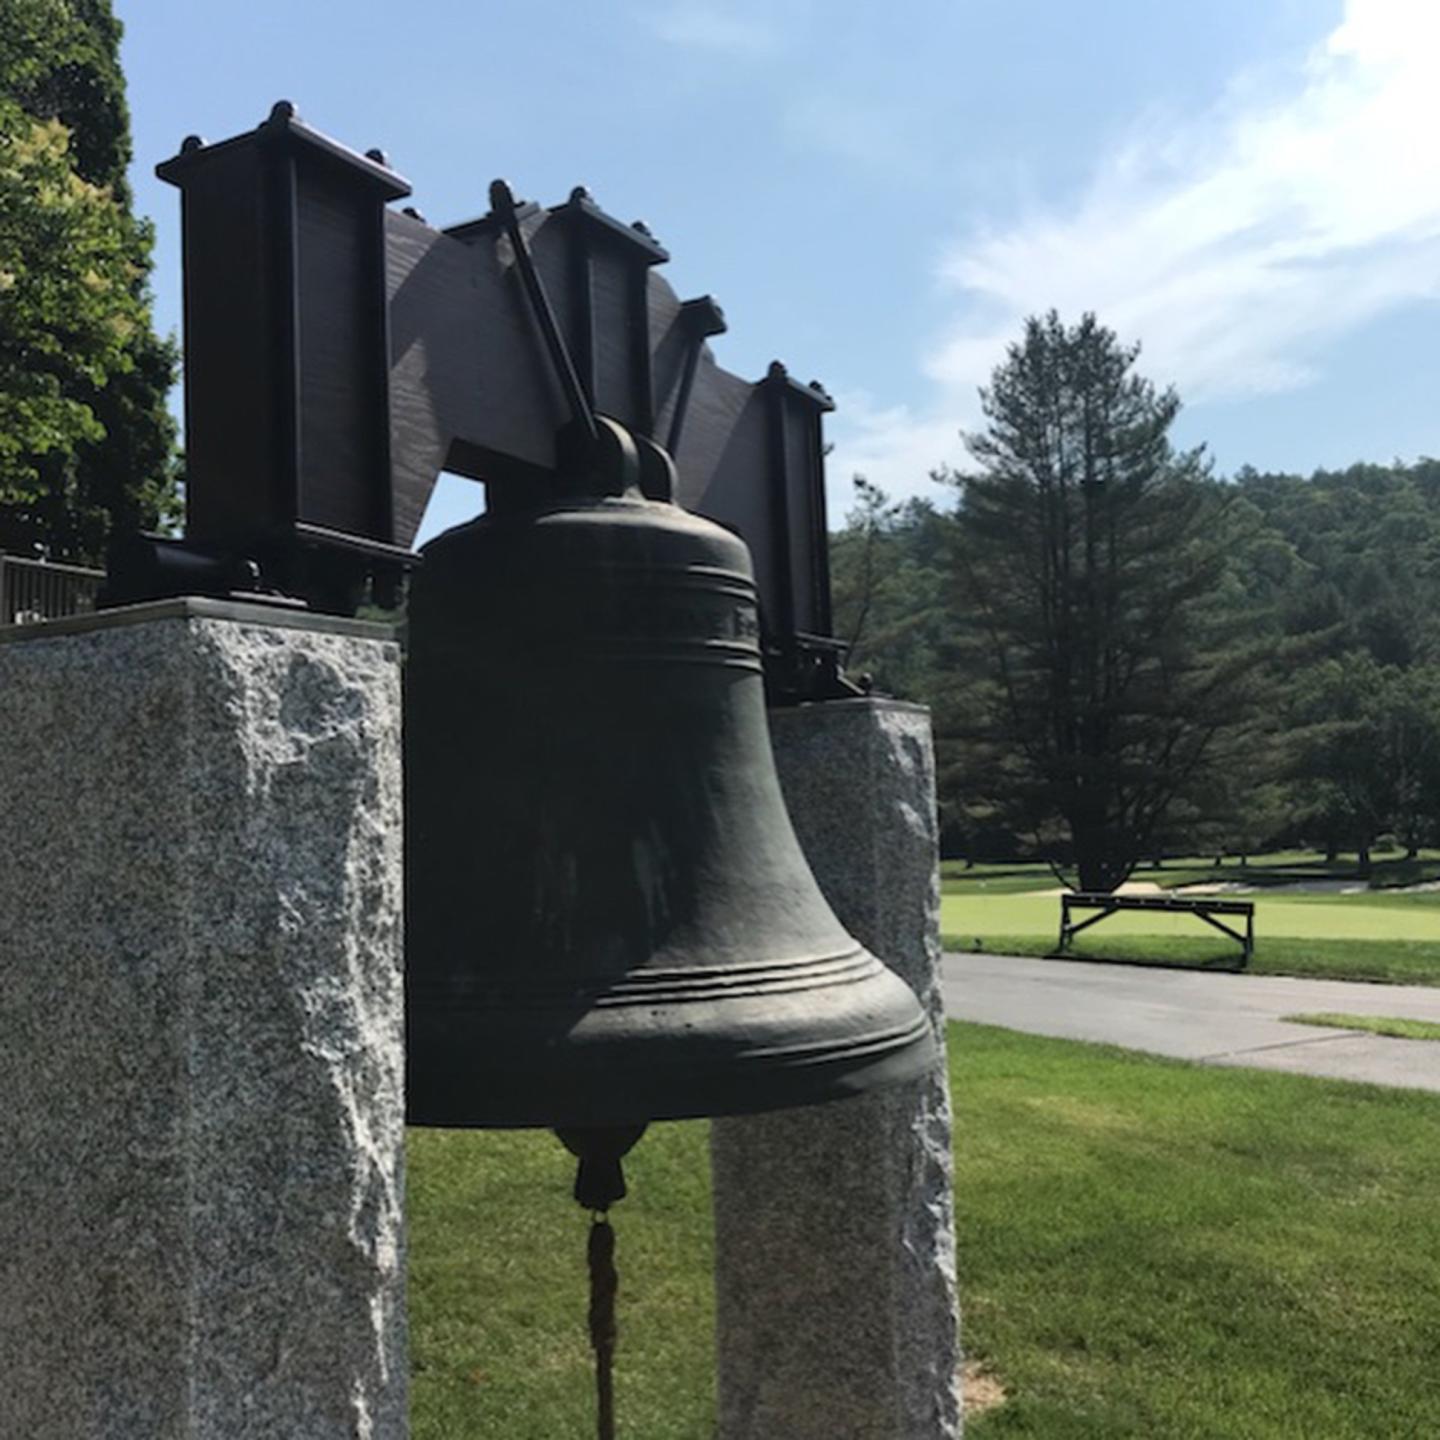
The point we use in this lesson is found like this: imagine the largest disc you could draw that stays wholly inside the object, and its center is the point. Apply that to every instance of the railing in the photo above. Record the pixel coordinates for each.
(33, 590)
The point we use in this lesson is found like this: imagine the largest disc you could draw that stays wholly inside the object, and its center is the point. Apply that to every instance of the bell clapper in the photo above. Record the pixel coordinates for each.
(599, 1183)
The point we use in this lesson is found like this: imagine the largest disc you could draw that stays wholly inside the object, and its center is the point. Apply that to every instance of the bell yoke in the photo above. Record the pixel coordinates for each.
(609, 919)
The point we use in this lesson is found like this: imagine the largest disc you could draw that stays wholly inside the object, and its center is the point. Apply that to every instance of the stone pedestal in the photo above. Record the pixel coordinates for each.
(835, 1250)
(201, 1074)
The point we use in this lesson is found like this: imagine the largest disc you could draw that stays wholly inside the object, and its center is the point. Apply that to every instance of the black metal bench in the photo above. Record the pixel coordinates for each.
(1203, 907)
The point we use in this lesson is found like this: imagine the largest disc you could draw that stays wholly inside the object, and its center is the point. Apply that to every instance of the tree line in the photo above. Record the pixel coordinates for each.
(1128, 656)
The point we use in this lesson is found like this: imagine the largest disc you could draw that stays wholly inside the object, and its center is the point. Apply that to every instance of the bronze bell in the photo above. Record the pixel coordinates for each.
(609, 919)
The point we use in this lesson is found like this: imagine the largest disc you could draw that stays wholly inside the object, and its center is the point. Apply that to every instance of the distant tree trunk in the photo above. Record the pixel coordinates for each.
(1102, 863)
(1364, 866)
(1332, 851)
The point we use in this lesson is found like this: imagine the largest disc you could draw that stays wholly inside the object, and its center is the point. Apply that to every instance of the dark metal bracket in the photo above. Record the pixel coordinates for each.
(700, 319)
(502, 206)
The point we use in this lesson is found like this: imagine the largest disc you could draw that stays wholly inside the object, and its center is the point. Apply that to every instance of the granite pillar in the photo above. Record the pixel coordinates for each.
(201, 1073)
(835, 1249)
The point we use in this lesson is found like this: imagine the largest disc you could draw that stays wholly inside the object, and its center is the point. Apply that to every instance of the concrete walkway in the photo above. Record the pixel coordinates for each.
(1219, 1019)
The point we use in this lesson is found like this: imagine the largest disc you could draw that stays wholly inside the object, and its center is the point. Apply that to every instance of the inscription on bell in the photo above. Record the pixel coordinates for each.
(697, 617)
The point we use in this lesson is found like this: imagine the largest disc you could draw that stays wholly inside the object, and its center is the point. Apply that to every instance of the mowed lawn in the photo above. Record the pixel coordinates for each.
(1146, 1248)
(1365, 936)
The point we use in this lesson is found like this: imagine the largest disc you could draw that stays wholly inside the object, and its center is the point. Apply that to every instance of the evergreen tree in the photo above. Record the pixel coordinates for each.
(1336, 575)
(888, 584)
(1365, 753)
(1091, 558)
(86, 441)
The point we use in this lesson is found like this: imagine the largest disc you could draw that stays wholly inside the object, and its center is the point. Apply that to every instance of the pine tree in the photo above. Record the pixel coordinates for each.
(86, 441)
(1091, 557)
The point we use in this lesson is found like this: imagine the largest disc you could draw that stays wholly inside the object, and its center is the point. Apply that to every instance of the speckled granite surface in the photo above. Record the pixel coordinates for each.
(835, 1246)
(200, 1030)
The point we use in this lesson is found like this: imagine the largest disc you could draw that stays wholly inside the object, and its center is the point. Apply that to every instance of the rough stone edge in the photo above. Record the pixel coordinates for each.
(934, 1408)
(198, 607)
(189, 672)
(218, 632)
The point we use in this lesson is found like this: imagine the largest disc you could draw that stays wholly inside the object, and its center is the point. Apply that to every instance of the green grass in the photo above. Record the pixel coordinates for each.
(1154, 1249)
(1386, 899)
(1390, 1025)
(1285, 867)
(994, 879)
(1386, 938)
(1146, 1249)
(498, 1288)
(1296, 916)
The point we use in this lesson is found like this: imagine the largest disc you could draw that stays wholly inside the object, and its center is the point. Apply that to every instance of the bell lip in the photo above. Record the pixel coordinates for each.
(782, 1078)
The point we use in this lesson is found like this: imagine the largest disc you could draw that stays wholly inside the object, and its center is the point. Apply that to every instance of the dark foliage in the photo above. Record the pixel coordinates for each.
(1127, 657)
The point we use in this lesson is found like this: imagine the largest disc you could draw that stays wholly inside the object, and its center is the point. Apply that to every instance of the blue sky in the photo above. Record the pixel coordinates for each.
(879, 193)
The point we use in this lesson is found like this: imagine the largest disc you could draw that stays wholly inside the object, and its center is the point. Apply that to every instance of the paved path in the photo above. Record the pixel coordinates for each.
(1221, 1019)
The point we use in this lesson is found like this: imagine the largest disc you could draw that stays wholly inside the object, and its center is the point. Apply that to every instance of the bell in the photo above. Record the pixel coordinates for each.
(609, 918)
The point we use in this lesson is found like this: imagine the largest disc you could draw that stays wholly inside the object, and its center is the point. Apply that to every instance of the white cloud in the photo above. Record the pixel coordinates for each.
(892, 447)
(1237, 248)
(695, 24)
(1286, 225)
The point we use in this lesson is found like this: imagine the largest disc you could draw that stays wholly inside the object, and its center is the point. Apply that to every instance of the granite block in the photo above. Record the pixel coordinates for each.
(200, 1029)
(835, 1249)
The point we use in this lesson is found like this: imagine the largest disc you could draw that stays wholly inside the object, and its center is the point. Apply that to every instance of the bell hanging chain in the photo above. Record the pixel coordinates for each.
(604, 1282)
(599, 1183)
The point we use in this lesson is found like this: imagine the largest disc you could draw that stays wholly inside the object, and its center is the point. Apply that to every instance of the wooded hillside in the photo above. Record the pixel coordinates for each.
(1336, 734)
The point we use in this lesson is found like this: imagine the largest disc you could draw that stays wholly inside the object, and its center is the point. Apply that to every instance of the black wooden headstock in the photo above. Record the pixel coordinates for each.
(339, 355)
